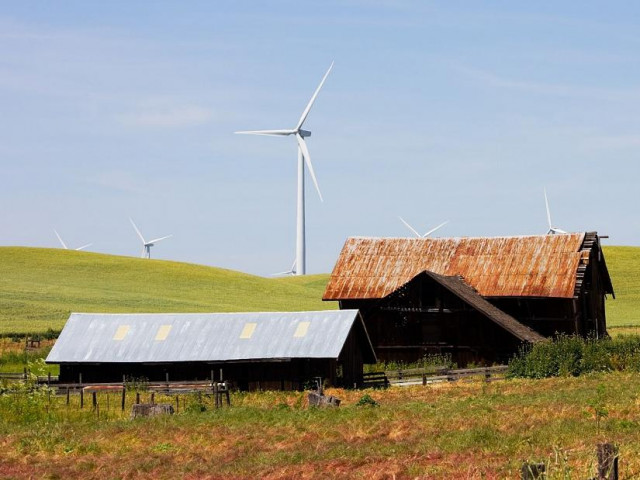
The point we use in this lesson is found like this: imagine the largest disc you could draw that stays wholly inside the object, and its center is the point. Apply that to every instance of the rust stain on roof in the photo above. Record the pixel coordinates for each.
(530, 266)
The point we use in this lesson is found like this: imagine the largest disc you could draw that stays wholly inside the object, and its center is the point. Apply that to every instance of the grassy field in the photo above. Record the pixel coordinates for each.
(454, 431)
(40, 287)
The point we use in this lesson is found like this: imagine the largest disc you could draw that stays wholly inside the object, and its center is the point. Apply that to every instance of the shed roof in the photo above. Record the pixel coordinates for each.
(210, 337)
(525, 266)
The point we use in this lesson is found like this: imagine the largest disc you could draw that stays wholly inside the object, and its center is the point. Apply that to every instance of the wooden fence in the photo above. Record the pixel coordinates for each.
(421, 376)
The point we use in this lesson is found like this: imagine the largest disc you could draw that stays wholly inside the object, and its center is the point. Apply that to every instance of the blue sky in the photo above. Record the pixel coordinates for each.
(434, 111)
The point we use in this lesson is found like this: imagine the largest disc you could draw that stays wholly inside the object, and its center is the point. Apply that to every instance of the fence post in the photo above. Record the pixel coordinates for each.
(137, 397)
(124, 390)
(94, 399)
(607, 461)
(532, 471)
(81, 397)
(153, 398)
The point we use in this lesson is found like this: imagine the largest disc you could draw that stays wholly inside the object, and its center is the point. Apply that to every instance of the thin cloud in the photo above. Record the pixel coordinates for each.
(561, 90)
(174, 117)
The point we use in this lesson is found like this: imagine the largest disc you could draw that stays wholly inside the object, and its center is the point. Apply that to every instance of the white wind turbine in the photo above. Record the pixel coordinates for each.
(552, 230)
(303, 157)
(291, 271)
(146, 246)
(426, 234)
(64, 245)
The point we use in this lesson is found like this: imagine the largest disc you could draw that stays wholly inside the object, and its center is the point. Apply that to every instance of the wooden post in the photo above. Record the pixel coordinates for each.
(94, 399)
(80, 378)
(137, 397)
(221, 379)
(124, 394)
(424, 379)
(532, 471)
(81, 397)
(607, 461)
(215, 394)
(153, 398)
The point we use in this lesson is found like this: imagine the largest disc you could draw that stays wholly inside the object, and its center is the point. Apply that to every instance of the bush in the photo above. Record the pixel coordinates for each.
(573, 356)
(367, 401)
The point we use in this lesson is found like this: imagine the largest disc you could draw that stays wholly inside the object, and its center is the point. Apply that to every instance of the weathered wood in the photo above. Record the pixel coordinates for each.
(150, 410)
(607, 461)
(533, 471)
(318, 400)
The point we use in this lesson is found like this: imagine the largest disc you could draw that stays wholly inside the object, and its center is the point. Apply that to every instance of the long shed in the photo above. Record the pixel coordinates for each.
(271, 350)
(430, 295)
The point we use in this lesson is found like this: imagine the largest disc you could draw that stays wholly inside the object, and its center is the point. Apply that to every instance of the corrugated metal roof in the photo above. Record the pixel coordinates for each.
(529, 266)
(151, 338)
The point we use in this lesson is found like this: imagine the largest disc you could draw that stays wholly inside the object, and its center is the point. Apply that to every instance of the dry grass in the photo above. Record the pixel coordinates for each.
(462, 430)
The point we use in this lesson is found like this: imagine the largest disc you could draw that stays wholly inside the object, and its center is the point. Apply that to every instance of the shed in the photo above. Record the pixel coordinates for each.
(271, 350)
(426, 295)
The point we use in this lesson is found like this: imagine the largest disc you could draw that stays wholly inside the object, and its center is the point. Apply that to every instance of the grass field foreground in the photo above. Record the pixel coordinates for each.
(461, 430)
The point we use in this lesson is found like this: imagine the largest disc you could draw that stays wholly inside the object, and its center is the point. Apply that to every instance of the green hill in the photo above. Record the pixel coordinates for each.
(624, 267)
(40, 287)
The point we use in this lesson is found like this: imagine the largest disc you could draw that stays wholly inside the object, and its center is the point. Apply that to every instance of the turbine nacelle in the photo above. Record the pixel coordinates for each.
(304, 133)
(146, 246)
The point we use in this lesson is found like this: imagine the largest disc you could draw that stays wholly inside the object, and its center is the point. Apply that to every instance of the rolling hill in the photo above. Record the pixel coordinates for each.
(39, 288)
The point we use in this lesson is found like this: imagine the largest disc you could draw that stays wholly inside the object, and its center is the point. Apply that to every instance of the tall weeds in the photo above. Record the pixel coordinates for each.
(573, 356)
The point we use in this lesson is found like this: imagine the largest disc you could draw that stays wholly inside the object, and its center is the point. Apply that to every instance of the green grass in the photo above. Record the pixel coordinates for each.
(624, 267)
(39, 288)
(456, 430)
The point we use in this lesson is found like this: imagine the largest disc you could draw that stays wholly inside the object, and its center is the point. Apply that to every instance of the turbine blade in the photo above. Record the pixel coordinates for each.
(410, 227)
(137, 231)
(546, 202)
(434, 229)
(306, 111)
(158, 239)
(307, 159)
(271, 133)
(143, 252)
(557, 230)
(84, 246)
(60, 238)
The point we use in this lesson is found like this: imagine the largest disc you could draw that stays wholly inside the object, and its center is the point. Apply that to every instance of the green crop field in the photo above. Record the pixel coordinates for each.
(40, 287)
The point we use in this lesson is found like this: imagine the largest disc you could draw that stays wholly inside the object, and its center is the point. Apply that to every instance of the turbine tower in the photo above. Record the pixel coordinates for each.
(146, 246)
(552, 230)
(426, 234)
(64, 245)
(303, 157)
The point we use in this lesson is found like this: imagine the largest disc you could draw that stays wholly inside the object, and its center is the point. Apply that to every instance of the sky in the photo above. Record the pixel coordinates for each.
(434, 111)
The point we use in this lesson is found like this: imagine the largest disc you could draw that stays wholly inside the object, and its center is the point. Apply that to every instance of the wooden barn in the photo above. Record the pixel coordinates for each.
(477, 299)
(268, 351)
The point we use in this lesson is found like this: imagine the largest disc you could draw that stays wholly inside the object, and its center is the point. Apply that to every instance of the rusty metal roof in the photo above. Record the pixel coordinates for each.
(526, 266)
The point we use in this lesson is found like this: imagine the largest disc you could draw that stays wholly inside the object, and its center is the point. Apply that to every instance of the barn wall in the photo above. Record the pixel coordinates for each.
(288, 375)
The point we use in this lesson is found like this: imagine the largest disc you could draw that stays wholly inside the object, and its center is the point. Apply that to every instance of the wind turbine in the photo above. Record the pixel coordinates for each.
(146, 246)
(291, 271)
(64, 245)
(303, 157)
(426, 234)
(552, 230)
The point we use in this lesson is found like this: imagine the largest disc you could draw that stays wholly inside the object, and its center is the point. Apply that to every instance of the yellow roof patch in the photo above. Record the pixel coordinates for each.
(248, 330)
(163, 333)
(301, 329)
(121, 332)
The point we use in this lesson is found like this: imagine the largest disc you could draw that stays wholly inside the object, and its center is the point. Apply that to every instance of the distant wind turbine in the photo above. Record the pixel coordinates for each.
(64, 245)
(303, 157)
(291, 271)
(552, 230)
(146, 246)
(426, 234)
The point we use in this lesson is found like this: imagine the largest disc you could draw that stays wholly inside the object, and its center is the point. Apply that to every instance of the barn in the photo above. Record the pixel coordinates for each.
(477, 299)
(272, 350)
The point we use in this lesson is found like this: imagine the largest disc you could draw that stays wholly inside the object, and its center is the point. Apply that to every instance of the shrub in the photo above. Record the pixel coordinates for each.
(573, 356)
